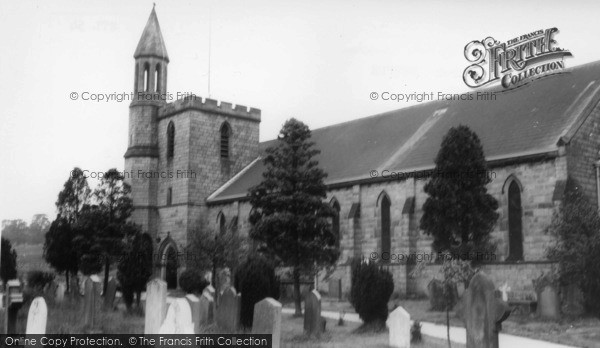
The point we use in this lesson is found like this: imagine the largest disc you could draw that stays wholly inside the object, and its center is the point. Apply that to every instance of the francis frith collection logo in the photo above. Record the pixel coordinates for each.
(515, 61)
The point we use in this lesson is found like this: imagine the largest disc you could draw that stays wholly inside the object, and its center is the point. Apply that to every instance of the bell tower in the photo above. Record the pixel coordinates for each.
(141, 158)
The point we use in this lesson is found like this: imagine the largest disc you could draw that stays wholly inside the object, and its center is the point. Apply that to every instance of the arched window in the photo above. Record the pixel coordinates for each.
(170, 140)
(335, 222)
(221, 221)
(157, 82)
(515, 225)
(225, 135)
(146, 77)
(386, 241)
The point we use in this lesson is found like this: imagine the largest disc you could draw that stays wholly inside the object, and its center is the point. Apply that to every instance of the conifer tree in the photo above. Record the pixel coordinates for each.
(290, 218)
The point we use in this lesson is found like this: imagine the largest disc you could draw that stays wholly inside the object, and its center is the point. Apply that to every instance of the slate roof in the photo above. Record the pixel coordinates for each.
(151, 43)
(526, 121)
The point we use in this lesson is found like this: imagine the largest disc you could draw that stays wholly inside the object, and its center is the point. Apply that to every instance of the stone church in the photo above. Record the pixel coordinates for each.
(204, 156)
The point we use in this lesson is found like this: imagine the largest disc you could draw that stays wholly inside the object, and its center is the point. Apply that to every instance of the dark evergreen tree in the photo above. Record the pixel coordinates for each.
(115, 205)
(459, 213)
(8, 261)
(372, 286)
(136, 263)
(577, 229)
(59, 250)
(290, 218)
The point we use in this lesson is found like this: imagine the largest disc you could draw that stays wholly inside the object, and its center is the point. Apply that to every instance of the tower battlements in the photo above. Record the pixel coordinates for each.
(209, 105)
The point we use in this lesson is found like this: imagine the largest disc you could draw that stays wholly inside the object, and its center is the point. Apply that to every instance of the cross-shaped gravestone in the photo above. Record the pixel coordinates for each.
(483, 313)
(156, 305)
(37, 317)
(398, 323)
(312, 314)
(178, 319)
(267, 320)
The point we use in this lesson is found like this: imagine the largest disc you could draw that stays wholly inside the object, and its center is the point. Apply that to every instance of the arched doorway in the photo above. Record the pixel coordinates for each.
(169, 262)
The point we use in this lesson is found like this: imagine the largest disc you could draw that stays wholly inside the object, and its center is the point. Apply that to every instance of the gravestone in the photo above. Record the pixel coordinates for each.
(548, 306)
(398, 323)
(194, 303)
(178, 319)
(207, 309)
(228, 311)
(14, 301)
(91, 286)
(482, 313)
(37, 317)
(267, 320)
(60, 293)
(111, 291)
(335, 288)
(156, 305)
(312, 314)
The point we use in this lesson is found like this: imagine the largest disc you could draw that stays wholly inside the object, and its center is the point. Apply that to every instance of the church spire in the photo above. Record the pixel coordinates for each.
(151, 43)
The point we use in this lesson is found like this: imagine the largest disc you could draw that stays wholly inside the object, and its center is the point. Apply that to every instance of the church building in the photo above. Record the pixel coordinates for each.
(534, 138)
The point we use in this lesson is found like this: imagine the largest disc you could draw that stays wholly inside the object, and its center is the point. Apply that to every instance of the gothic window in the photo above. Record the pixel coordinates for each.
(515, 225)
(221, 221)
(170, 196)
(170, 140)
(386, 241)
(146, 77)
(157, 82)
(335, 224)
(225, 135)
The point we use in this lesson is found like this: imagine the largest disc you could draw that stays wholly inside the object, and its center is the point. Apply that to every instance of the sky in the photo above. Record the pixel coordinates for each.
(317, 61)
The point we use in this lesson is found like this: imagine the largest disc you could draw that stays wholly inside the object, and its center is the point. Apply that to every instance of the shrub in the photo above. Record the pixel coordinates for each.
(415, 332)
(192, 280)
(37, 280)
(256, 280)
(372, 286)
(577, 229)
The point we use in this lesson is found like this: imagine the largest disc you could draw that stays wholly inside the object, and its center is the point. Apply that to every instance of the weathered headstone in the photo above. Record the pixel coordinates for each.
(398, 323)
(37, 317)
(194, 303)
(548, 303)
(156, 305)
(14, 301)
(267, 320)
(312, 314)
(482, 313)
(335, 288)
(178, 319)
(228, 311)
(207, 309)
(60, 293)
(109, 296)
(91, 286)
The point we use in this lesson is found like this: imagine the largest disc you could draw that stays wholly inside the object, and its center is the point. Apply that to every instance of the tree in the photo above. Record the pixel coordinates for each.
(135, 266)
(60, 247)
(8, 261)
(209, 250)
(74, 195)
(290, 218)
(115, 207)
(576, 226)
(459, 213)
(15, 230)
(37, 228)
(59, 250)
